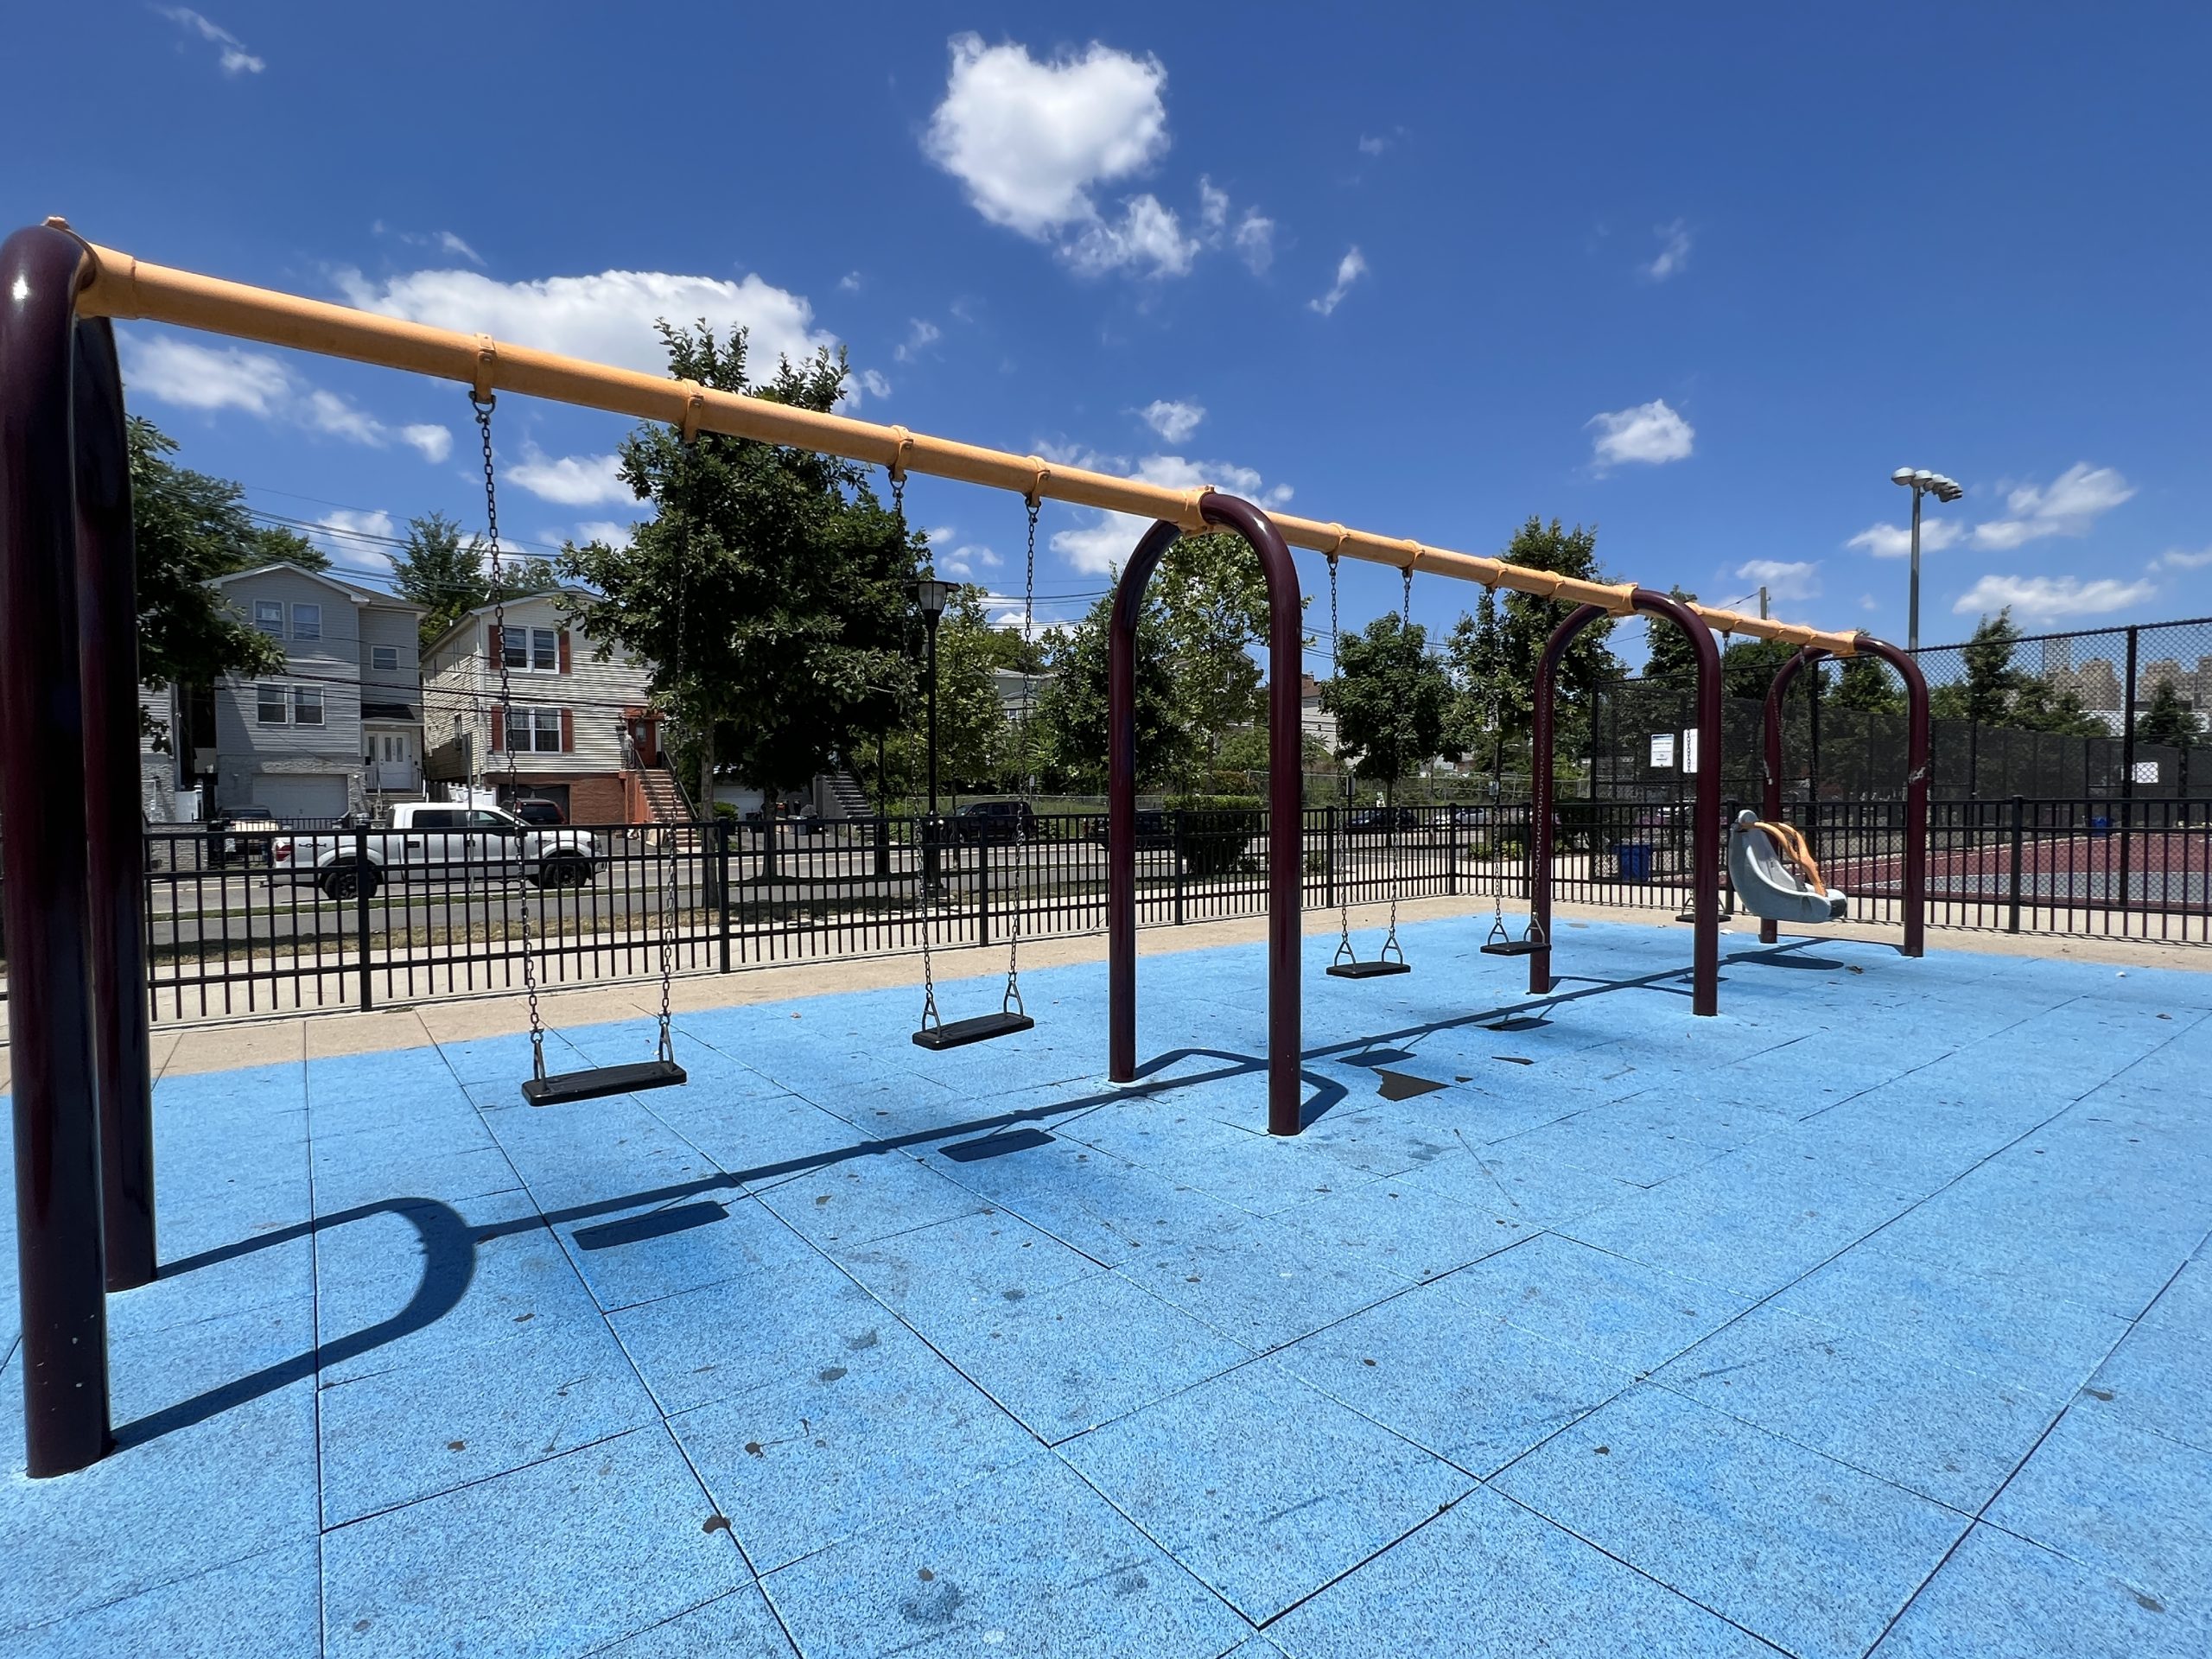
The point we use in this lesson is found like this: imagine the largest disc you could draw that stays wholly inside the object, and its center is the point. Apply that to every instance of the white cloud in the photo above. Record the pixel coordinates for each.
(1099, 547)
(190, 376)
(1349, 269)
(1369, 146)
(233, 56)
(1800, 580)
(351, 538)
(849, 282)
(1649, 434)
(2074, 501)
(608, 317)
(451, 244)
(1174, 420)
(921, 334)
(1030, 140)
(2176, 559)
(571, 480)
(865, 380)
(2050, 599)
(604, 530)
(964, 561)
(1256, 240)
(1148, 236)
(1895, 541)
(1213, 205)
(434, 443)
(200, 377)
(1674, 251)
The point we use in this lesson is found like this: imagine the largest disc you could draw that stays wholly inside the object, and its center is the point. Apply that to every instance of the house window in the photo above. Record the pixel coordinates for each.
(307, 705)
(271, 706)
(385, 657)
(307, 621)
(536, 729)
(269, 617)
(536, 650)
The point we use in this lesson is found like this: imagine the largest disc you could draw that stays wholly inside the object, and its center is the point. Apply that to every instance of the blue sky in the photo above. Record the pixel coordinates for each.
(1703, 278)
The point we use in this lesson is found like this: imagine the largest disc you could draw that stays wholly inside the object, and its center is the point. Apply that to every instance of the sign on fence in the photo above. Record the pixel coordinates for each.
(1662, 750)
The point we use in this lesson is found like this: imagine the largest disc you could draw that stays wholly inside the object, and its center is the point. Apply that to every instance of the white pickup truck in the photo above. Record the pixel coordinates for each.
(432, 841)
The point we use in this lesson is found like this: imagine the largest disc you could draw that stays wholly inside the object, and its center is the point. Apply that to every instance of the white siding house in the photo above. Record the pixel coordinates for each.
(341, 721)
(581, 724)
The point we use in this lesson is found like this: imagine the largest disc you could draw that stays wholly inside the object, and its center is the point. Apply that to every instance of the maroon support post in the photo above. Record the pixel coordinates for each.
(1284, 803)
(48, 917)
(107, 625)
(1704, 823)
(1770, 801)
(1916, 787)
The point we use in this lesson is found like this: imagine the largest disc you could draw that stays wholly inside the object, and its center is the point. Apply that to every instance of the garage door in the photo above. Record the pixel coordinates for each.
(303, 796)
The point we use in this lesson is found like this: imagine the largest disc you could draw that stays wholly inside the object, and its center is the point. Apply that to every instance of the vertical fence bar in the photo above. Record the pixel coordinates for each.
(361, 915)
(721, 887)
(2012, 881)
(982, 884)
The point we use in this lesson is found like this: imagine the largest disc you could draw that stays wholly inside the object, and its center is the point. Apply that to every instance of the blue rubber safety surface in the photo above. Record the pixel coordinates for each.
(1872, 1316)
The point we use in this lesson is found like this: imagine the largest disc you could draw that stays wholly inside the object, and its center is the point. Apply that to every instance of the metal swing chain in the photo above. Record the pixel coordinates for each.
(483, 408)
(1498, 933)
(1405, 629)
(930, 1018)
(1345, 952)
(1011, 1002)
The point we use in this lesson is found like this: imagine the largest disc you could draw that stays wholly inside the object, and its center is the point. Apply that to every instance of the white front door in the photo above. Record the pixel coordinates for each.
(396, 759)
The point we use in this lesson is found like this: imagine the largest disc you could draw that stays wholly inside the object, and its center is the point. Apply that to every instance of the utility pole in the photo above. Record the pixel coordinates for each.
(1921, 482)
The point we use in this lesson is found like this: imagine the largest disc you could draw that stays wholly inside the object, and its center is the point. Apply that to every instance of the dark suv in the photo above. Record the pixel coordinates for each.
(1155, 829)
(541, 814)
(981, 822)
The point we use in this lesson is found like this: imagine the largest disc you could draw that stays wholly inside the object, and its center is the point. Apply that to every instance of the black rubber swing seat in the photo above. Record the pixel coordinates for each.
(1514, 948)
(601, 1081)
(1369, 969)
(958, 1034)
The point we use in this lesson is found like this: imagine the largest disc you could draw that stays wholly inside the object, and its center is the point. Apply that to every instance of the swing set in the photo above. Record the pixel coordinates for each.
(69, 785)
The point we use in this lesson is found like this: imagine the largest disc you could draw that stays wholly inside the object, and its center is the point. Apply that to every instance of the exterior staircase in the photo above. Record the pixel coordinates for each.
(843, 798)
(664, 798)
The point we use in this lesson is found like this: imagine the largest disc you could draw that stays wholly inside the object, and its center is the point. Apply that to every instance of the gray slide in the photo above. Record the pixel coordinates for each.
(1767, 887)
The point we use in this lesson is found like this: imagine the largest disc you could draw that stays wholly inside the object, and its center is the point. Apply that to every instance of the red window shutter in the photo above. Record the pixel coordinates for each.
(499, 731)
(491, 650)
(567, 724)
(565, 659)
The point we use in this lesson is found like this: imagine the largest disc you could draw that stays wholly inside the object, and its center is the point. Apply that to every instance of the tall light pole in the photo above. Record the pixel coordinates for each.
(932, 594)
(1922, 482)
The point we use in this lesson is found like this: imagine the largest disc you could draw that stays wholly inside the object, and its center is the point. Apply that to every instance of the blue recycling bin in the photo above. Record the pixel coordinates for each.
(2100, 825)
(1635, 860)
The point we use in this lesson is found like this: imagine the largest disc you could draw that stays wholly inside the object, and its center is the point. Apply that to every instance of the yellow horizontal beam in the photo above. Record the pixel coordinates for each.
(125, 288)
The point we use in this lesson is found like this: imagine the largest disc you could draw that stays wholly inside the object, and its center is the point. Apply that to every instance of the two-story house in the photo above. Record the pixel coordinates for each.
(583, 734)
(340, 724)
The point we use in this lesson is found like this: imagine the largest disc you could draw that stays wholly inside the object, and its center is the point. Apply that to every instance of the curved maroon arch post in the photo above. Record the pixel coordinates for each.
(1916, 787)
(1705, 831)
(1284, 802)
(49, 913)
(1770, 798)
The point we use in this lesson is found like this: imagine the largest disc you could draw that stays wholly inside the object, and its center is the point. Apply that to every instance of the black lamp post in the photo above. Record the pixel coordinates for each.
(932, 594)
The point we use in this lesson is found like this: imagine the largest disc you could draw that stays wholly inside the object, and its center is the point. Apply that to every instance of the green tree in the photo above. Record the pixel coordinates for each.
(440, 571)
(1866, 685)
(974, 745)
(1213, 615)
(189, 528)
(275, 544)
(1669, 653)
(1392, 701)
(1493, 664)
(1748, 668)
(2167, 719)
(771, 592)
(1071, 713)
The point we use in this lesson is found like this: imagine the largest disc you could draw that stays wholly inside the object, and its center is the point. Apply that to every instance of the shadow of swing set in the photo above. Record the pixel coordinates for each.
(69, 786)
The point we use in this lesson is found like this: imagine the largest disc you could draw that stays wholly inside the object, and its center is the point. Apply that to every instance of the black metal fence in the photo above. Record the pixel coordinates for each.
(267, 926)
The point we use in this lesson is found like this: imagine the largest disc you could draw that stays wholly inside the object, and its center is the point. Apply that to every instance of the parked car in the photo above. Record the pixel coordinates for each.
(981, 821)
(1155, 829)
(426, 840)
(1380, 820)
(543, 815)
(241, 835)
